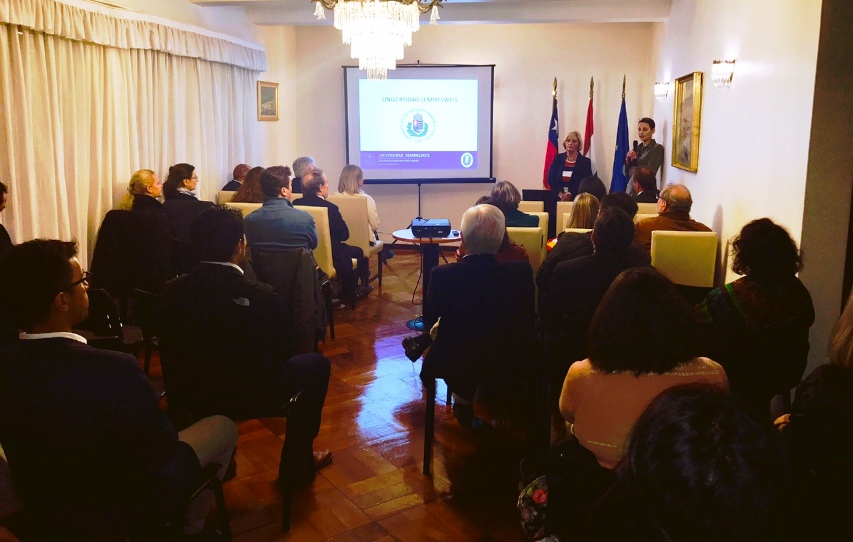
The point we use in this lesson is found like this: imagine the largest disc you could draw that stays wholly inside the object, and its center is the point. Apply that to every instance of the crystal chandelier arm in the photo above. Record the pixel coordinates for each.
(423, 5)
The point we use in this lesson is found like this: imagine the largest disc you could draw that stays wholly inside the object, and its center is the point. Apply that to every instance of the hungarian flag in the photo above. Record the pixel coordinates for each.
(588, 131)
(619, 182)
(553, 135)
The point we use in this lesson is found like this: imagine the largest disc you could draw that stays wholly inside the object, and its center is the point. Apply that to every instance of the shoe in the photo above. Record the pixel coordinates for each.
(338, 304)
(322, 459)
(415, 346)
(363, 291)
(464, 413)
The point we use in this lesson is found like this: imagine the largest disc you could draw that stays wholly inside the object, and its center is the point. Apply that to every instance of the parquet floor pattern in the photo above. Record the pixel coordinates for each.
(373, 422)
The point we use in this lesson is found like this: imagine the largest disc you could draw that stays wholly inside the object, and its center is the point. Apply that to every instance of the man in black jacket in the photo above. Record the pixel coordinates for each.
(315, 190)
(90, 452)
(224, 347)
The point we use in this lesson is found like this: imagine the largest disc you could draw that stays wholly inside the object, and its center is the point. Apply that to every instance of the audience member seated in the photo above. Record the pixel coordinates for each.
(486, 347)
(250, 190)
(224, 351)
(142, 193)
(5, 240)
(301, 166)
(699, 468)
(593, 185)
(584, 211)
(507, 198)
(181, 183)
(315, 190)
(572, 245)
(578, 286)
(351, 183)
(674, 206)
(757, 327)
(640, 343)
(91, 454)
(277, 225)
(509, 251)
(644, 185)
(182, 205)
(819, 430)
(240, 172)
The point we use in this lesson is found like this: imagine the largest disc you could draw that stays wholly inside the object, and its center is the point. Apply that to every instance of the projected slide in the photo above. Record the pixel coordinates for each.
(424, 124)
(418, 124)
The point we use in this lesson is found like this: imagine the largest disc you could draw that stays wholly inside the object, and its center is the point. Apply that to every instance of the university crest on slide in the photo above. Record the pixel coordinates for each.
(418, 125)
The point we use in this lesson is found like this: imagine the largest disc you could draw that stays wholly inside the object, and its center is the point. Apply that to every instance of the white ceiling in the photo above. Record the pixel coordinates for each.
(301, 12)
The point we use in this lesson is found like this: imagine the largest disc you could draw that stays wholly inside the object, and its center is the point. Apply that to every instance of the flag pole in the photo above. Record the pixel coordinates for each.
(623, 87)
(591, 87)
(554, 92)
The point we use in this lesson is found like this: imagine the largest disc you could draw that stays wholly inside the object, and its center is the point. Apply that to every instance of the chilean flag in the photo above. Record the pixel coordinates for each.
(553, 136)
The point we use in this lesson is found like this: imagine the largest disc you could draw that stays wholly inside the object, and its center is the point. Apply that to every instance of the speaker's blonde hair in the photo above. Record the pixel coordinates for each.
(139, 183)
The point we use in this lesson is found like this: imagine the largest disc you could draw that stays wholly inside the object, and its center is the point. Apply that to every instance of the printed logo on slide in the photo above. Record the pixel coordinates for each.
(467, 160)
(418, 125)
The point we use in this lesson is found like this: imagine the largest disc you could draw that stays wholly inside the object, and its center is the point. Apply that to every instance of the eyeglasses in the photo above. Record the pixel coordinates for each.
(87, 276)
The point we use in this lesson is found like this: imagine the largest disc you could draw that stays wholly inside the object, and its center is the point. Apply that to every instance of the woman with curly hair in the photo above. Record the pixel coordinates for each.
(757, 327)
(250, 191)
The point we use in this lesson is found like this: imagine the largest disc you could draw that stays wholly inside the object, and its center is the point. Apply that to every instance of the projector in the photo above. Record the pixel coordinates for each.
(430, 227)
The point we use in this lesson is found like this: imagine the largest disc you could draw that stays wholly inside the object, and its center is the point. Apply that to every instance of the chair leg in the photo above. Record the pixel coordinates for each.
(327, 296)
(221, 512)
(286, 502)
(429, 426)
(147, 366)
(380, 267)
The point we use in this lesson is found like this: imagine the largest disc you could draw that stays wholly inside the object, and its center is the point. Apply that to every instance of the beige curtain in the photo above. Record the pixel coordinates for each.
(78, 118)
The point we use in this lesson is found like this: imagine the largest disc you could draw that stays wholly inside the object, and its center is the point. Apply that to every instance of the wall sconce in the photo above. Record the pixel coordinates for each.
(661, 91)
(722, 72)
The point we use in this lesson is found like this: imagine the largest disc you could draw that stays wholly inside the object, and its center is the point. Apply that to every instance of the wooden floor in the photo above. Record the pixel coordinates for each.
(373, 423)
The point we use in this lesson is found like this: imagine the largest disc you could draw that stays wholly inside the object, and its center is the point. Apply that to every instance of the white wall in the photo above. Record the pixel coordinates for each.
(527, 58)
(754, 139)
(276, 140)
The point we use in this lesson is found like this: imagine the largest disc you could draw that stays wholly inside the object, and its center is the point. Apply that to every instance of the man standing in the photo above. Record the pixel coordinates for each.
(240, 172)
(315, 190)
(92, 454)
(301, 166)
(225, 349)
(644, 183)
(674, 207)
(277, 225)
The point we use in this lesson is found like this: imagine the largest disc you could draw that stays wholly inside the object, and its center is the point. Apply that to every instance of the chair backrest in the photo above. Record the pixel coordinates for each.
(531, 206)
(564, 210)
(246, 208)
(133, 250)
(533, 241)
(354, 210)
(543, 221)
(578, 230)
(145, 308)
(295, 196)
(687, 258)
(647, 208)
(638, 217)
(323, 252)
(293, 275)
(225, 196)
(181, 214)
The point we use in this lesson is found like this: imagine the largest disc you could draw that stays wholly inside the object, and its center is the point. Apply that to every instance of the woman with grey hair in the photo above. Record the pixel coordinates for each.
(507, 197)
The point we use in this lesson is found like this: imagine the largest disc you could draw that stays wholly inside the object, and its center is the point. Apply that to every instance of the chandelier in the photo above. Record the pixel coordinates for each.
(378, 31)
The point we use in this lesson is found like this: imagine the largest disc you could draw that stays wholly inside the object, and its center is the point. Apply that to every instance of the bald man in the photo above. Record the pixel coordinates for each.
(674, 206)
(240, 171)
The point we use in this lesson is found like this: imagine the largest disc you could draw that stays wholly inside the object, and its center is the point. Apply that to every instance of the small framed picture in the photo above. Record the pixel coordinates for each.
(267, 100)
(687, 117)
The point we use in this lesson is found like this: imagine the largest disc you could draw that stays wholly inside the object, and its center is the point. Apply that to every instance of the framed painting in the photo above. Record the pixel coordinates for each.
(686, 122)
(267, 100)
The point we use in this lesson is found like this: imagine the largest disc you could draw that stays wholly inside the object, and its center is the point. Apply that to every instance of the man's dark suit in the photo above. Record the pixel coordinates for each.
(224, 351)
(486, 337)
(646, 196)
(566, 310)
(342, 253)
(232, 186)
(89, 449)
(5, 241)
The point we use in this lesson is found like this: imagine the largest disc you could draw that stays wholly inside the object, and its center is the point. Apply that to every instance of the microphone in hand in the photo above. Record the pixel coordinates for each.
(637, 151)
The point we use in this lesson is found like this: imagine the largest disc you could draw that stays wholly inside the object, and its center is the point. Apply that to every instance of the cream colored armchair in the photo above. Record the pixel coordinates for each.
(687, 258)
(533, 241)
(531, 207)
(354, 211)
(245, 208)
